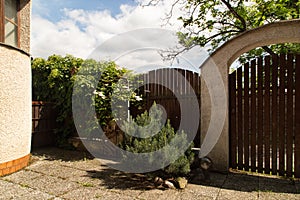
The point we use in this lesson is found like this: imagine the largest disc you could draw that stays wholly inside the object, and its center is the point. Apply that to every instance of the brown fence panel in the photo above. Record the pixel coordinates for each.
(264, 118)
(253, 115)
(281, 148)
(232, 117)
(289, 116)
(274, 107)
(260, 114)
(43, 124)
(267, 114)
(165, 97)
(246, 116)
(240, 118)
(297, 120)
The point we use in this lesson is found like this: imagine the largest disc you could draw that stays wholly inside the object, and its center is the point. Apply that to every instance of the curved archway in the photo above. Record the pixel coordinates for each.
(212, 101)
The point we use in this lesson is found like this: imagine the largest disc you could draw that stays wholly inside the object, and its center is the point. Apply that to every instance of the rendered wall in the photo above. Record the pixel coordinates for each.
(212, 99)
(15, 99)
(25, 6)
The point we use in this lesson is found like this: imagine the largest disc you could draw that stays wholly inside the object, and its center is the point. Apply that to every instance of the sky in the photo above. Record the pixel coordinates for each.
(80, 27)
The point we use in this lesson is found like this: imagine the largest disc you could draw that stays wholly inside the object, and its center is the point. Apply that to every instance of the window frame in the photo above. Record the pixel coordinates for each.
(2, 22)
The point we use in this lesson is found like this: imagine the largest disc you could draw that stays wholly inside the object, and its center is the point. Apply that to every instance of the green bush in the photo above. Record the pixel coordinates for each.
(165, 134)
(53, 81)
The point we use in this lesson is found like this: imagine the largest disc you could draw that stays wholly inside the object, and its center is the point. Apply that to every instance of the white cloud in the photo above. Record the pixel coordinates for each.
(79, 32)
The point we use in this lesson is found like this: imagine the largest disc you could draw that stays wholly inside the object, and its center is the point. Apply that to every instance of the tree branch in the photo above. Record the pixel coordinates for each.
(231, 9)
(268, 50)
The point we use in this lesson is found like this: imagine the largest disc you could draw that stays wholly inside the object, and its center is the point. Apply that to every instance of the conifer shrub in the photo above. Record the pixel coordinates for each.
(148, 124)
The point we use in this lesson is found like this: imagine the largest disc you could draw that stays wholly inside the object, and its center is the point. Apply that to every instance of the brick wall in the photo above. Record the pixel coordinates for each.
(14, 165)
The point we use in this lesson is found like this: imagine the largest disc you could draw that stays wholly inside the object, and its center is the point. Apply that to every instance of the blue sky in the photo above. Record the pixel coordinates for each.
(53, 9)
(78, 27)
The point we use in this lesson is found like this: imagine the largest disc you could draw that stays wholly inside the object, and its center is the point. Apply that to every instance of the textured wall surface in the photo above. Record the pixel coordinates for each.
(25, 6)
(15, 104)
(15, 95)
(280, 32)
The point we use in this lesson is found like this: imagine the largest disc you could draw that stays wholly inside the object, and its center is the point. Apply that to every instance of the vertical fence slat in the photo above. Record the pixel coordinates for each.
(189, 79)
(196, 86)
(260, 137)
(161, 82)
(282, 66)
(171, 84)
(289, 135)
(151, 85)
(233, 134)
(165, 78)
(182, 82)
(267, 115)
(240, 117)
(147, 88)
(246, 116)
(253, 115)
(297, 119)
(274, 113)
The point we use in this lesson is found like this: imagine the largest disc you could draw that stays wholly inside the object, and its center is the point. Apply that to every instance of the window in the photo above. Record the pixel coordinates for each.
(9, 25)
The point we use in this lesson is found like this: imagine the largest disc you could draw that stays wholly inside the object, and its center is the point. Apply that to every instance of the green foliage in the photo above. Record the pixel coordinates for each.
(53, 81)
(148, 125)
(213, 22)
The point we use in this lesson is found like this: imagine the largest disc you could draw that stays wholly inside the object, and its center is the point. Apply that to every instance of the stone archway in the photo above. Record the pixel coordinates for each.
(216, 79)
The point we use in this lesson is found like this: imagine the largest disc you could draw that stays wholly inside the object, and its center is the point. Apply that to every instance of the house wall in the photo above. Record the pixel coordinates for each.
(15, 99)
(25, 6)
(214, 84)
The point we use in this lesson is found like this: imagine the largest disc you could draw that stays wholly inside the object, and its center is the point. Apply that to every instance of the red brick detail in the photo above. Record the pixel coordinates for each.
(14, 165)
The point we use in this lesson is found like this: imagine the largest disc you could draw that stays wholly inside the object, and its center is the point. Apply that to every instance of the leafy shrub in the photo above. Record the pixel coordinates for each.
(148, 124)
(53, 81)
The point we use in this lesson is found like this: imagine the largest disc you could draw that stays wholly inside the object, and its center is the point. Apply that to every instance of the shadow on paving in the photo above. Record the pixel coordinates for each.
(237, 181)
(52, 153)
(234, 180)
(252, 182)
(113, 179)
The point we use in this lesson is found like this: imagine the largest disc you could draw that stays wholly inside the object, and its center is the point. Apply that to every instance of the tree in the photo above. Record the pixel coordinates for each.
(213, 22)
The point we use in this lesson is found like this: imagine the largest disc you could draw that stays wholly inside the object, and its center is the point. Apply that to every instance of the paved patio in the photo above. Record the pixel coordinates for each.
(61, 174)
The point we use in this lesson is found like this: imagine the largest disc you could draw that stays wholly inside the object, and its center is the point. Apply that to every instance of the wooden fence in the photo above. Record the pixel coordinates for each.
(43, 124)
(165, 96)
(265, 116)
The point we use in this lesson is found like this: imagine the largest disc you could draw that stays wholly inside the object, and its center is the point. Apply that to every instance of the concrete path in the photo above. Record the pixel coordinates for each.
(60, 174)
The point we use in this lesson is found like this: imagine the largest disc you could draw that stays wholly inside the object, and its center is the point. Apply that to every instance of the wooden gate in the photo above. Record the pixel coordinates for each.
(43, 124)
(265, 116)
(165, 96)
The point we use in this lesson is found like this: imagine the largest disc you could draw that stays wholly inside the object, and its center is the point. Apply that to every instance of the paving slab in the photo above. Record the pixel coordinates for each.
(22, 177)
(159, 194)
(10, 190)
(275, 196)
(276, 185)
(85, 193)
(202, 190)
(51, 185)
(57, 174)
(297, 185)
(237, 195)
(60, 171)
